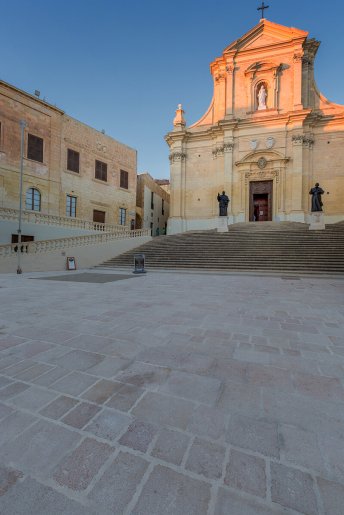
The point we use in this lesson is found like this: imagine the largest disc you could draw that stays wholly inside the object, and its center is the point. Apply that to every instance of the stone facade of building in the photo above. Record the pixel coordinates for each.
(267, 137)
(153, 205)
(74, 170)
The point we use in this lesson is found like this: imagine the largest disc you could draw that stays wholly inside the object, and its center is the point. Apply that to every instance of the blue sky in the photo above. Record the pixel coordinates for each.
(123, 66)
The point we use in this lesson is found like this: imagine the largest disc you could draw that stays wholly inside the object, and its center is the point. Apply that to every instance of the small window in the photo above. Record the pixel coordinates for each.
(71, 206)
(33, 200)
(152, 200)
(122, 216)
(99, 216)
(35, 148)
(162, 207)
(101, 171)
(73, 158)
(124, 179)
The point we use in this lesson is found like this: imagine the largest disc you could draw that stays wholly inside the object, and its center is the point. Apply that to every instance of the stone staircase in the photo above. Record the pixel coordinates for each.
(262, 246)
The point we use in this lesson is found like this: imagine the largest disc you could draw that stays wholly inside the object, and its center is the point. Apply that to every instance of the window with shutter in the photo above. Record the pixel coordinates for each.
(124, 179)
(99, 216)
(73, 159)
(101, 171)
(35, 148)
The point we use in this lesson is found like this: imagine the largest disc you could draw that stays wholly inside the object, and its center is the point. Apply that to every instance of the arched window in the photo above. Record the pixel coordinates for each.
(33, 200)
(261, 96)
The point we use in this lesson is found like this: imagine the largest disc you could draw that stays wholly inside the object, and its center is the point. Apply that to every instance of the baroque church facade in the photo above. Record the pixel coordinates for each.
(268, 136)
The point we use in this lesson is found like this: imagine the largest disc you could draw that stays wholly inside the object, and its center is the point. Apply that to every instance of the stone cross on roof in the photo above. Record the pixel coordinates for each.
(262, 8)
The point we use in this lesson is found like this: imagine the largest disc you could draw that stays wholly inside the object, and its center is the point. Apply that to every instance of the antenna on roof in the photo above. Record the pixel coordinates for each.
(37, 93)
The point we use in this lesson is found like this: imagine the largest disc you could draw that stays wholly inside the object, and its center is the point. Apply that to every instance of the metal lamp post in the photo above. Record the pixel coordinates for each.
(22, 124)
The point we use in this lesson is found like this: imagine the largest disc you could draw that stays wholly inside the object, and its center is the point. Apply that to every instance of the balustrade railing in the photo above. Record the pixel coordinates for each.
(34, 217)
(38, 247)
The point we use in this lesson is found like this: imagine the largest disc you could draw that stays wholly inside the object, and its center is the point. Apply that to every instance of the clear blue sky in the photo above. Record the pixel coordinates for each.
(123, 66)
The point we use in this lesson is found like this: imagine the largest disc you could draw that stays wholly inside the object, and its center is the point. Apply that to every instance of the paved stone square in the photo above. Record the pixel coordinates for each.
(171, 394)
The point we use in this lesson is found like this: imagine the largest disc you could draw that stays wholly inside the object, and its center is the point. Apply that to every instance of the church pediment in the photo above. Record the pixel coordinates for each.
(262, 158)
(264, 34)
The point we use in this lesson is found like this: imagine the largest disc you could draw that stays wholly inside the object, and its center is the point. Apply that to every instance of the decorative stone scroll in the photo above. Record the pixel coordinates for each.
(297, 57)
(261, 175)
(219, 151)
(228, 147)
(303, 140)
(177, 157)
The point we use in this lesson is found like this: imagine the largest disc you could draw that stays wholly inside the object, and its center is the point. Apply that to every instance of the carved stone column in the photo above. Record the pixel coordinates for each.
(228, 148)
(296, 178)
(177, 159)
(229, 91)
(298, 80)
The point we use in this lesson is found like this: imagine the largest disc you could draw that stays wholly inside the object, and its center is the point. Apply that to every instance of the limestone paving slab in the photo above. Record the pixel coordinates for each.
(77, 470)
(170, 493)
(102, 391)
(192, 386)
(138, 435)
(293, 489)
(33, 398)
(171, 446)
(332, 495)
(108, 424)
(206, 458)
(39, 448)
(13, 424)
(256, 435)
(118, 484)
(59, 407)
(125, 398)
(33, 498)
(74, 383)
(80, 415)
(246, 472)
(144, 375)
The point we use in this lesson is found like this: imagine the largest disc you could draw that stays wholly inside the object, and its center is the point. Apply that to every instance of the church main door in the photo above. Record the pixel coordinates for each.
(260, 201)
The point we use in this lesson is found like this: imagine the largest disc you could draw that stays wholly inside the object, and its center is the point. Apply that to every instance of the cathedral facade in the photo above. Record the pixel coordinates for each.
(268, 136)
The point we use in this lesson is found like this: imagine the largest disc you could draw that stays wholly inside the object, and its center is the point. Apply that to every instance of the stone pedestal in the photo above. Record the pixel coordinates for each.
(222, 224)
(317, 221)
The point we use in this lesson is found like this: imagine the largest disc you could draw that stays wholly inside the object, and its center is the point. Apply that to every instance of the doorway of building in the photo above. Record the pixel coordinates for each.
(260, 201)
(260, 207)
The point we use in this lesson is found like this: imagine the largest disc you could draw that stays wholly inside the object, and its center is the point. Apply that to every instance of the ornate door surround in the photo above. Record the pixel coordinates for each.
(261, 166)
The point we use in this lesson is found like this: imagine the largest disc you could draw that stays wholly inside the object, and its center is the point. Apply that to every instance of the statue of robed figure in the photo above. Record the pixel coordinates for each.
(316, 193)
(223, 201)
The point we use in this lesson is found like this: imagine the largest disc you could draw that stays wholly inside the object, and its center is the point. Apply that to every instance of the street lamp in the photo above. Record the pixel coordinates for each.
(22, 124)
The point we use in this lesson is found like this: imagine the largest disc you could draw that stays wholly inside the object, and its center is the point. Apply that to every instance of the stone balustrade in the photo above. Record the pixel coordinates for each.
(39, 247)
(35, 217)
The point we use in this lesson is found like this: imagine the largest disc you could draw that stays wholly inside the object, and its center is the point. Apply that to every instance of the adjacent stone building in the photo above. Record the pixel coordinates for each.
(267, 137)
(70, 169)
(153, 204)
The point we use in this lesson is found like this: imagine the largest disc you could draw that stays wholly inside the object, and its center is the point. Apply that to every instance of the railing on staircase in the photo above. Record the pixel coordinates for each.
(39, 247)
(35, 217)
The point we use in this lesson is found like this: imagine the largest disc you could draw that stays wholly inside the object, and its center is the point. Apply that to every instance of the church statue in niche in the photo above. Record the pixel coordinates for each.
(262, 96)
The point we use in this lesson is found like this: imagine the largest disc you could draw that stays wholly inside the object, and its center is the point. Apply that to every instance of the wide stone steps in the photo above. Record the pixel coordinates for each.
(275, 247)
